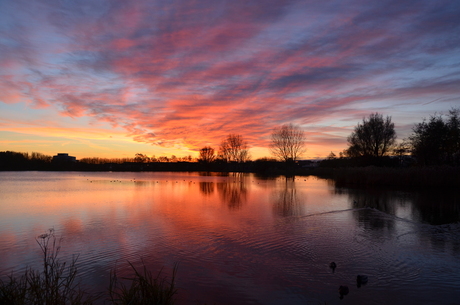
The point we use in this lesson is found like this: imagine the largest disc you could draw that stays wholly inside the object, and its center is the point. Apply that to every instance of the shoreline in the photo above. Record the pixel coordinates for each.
(370, 176)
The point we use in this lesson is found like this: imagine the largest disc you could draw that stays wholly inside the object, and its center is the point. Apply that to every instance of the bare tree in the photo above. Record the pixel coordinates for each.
(163, 159)
(375, 137)
(40, 157)
(185, 159)
(234, 149)
(207, 154)
(141, 158)
(288, 142)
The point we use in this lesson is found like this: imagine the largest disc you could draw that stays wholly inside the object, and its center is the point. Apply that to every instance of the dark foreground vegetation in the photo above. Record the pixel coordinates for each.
(57, 283)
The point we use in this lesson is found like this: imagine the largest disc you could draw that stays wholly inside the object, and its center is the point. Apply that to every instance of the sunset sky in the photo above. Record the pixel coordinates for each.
(113, 78)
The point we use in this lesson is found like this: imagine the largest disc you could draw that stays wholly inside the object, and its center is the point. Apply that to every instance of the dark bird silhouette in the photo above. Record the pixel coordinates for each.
(343, 290)
(333, 265)
(361, 280)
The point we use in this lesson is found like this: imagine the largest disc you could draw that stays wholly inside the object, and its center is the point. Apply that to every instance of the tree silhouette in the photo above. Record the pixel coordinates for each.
(331, 156)
(288, 142)
(437, 141)
(207, 154)
(375, 137)
(163, 159)
(234, 149)
(141, 158)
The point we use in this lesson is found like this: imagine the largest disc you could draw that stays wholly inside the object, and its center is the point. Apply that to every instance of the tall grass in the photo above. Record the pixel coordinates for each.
(143, 288)
(56, 283)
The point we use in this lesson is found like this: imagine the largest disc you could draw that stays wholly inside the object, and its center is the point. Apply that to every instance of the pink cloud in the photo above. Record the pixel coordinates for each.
(189, 73)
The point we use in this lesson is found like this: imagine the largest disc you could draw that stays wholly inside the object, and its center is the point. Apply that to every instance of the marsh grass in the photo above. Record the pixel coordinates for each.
(143, 288)
(56, 283)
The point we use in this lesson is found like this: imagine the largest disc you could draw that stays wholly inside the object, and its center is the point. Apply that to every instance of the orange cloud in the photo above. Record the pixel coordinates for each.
(186, 74)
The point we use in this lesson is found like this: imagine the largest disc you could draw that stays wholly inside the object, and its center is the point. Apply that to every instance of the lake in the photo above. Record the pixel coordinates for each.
(239, 238)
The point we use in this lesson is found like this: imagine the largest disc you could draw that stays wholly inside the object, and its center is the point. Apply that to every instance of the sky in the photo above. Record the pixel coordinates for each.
(165, 77)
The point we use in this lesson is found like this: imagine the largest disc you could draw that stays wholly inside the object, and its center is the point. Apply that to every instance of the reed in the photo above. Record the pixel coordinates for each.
(56, 283)
(143, 288)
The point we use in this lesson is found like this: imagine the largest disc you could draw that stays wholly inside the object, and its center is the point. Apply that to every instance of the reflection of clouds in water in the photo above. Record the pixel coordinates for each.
(175, 220)
(72, 226)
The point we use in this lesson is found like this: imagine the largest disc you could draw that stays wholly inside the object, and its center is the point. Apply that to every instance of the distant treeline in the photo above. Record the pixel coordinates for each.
(430, 156)
(359, 171)
(18, 161)
(10, 160)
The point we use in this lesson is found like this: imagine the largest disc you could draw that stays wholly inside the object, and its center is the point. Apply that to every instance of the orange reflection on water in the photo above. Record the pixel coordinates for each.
(232, 235)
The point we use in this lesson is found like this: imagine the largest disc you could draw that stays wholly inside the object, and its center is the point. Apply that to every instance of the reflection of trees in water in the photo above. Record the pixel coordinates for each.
(260, 176)
(238, 176)
(429, 206)
(141, 183)
(213, 174)
(233, 193)
(437, 207)
(377, 199)
(207, 188)
(287, 202)
(434, 207)
(444, 238)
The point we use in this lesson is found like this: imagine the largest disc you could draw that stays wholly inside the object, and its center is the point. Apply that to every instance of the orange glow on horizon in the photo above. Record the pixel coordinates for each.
(157, 78)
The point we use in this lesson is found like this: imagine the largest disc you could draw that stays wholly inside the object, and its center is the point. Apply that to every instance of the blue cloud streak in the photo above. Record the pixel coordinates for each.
(169, 70)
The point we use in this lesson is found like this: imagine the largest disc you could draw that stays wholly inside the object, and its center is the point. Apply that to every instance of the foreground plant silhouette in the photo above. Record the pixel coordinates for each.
(143, 289)
(56, 284)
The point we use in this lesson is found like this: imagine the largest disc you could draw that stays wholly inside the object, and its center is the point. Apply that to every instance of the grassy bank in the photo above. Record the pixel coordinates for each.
(57, 283)
(417, 177)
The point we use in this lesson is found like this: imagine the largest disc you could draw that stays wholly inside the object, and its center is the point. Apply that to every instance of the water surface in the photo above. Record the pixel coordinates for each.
(240, 238)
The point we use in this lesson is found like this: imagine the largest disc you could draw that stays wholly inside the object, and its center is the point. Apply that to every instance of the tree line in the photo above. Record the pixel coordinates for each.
(287, 144)
(434, 141)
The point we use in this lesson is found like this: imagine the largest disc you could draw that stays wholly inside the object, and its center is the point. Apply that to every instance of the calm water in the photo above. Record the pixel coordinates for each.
(240, 239)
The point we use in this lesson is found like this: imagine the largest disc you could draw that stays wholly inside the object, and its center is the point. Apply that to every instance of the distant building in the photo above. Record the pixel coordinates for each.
(63, 157)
